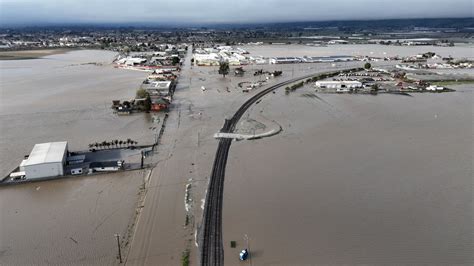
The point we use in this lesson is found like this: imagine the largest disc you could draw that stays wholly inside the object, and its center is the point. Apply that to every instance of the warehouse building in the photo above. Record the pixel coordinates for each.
(328, 84)
(45, 160)
(285, 60)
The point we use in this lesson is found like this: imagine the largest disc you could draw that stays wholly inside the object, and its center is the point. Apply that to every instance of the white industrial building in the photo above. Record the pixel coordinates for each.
(329, 84)
(285, 60)
(211, 59)
(45, 160)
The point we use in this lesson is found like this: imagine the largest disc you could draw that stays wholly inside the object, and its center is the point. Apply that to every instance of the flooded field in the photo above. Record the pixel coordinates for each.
(68, 221)
(66, 97)
(460, 51)
(353, 179)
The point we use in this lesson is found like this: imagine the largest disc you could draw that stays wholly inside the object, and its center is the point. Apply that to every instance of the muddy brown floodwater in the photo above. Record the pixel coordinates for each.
(353, 179)
(66, 97)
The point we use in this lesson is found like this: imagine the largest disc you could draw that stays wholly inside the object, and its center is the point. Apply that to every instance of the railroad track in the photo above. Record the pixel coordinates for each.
(211, 246)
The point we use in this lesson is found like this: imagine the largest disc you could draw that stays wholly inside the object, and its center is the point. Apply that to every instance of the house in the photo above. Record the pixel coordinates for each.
(158, 88)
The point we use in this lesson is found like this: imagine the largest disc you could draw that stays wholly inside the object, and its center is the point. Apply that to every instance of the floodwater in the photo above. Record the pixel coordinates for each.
(460, 51)
(355, 179)
(66, 97)
(351, 179)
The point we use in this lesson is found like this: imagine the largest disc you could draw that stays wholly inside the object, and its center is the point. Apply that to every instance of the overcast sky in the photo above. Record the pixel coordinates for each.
(222, 11)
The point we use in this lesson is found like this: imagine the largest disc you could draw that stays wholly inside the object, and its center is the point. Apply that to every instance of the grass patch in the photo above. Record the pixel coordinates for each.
(452, 82)
(233, 244)
(185, 258)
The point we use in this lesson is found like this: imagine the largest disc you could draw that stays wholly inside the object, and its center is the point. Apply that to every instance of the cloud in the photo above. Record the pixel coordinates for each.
(222, 11)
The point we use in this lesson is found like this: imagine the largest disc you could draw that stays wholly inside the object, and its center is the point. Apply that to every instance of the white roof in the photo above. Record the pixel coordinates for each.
(337, 82)
(50, 152)
(160, 85)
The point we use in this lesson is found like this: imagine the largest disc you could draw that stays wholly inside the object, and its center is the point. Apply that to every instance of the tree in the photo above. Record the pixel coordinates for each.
(148, 103)
(175, 60)
(223, 68)
(141, 93)
(375, 89)
(367, 65)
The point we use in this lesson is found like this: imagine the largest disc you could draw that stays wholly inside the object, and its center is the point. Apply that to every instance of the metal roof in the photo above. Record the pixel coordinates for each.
(50, 152)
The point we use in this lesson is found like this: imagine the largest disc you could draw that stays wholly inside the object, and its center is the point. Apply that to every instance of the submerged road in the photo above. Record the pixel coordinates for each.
(211, 246)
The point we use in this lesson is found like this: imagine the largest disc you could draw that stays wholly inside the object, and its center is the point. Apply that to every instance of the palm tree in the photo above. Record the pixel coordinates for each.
(120, 143)
(116, 142)
(104, 143)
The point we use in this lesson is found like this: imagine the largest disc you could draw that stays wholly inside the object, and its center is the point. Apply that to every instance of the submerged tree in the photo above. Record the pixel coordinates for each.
(223, 68)
(367, 66)
(147, 103)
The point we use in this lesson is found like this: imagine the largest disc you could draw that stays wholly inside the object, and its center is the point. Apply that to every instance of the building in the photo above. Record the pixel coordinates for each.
(325, 59)
(211, 59)
(159, 104)
(45, 160)
(338, 85)
(285, 60)
(157, 88)
(338, 42)
(110, 166)
(434, 88)
(131, 61)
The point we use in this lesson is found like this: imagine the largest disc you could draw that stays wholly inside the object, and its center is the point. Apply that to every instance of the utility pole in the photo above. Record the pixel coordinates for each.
(198, 139)
(248, 248)
(118, 245)
(141, 164)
